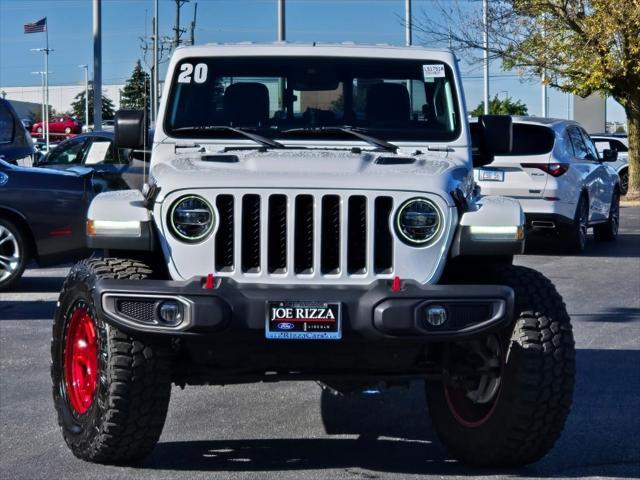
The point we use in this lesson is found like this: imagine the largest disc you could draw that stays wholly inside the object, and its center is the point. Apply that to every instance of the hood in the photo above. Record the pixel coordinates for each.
(435, 172)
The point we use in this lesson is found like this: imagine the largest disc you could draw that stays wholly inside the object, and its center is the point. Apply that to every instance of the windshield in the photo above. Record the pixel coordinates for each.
(302, 97)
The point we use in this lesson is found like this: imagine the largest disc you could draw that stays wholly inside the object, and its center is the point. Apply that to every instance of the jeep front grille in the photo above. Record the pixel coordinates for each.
(326, 234)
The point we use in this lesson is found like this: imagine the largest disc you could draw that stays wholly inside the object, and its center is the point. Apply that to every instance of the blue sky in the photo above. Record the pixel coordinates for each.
(124, 21)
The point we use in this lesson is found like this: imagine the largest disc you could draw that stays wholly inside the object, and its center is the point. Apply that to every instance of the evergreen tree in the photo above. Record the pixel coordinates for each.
(77, 107)
(136, 94)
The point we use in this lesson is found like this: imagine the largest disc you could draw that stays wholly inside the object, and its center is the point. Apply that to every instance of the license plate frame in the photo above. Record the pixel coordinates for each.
(488, 175)
(303, 320)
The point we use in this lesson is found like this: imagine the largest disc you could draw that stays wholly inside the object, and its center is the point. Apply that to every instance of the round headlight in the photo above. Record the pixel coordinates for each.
(191, 219)
(418, 221)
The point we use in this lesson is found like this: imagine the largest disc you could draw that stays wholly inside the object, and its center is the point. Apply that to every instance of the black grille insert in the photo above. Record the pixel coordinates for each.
(224, 236)
(139, 310)
(251, 233)
(330, 241)
(277, 246)
(383, 241)
(357, 235)
(303, 232)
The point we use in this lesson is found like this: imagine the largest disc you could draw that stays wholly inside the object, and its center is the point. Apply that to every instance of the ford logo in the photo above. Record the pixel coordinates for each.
(285, 326)
(4, 178)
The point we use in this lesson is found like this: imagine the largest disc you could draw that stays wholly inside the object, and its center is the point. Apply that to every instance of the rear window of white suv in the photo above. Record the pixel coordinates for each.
(532, 139)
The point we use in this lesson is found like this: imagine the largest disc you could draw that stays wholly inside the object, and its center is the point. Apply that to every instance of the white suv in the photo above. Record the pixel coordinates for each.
(563, 184)
(621, 145)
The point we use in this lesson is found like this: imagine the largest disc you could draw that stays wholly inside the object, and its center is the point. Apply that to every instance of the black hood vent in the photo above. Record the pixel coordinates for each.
(395, 160)
(220, 158)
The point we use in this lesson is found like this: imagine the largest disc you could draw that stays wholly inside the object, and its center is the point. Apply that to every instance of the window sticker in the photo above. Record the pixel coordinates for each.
(199, 73)
(433, 71)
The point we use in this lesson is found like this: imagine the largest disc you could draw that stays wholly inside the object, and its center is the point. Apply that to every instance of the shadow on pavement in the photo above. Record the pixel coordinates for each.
(39, 284)
(394, 435)
(27, 310)
(626, 246)
(611, 315)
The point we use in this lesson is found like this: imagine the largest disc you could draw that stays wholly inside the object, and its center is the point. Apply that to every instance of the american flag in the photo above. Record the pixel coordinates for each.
(36, 27)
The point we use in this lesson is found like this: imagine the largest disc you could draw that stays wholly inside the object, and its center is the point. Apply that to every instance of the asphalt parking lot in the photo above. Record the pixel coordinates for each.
(276, 431)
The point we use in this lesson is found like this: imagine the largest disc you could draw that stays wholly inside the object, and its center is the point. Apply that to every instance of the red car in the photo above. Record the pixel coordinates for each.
(58, 125)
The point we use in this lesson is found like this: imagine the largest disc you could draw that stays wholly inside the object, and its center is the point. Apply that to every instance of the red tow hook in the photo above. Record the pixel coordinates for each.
(209, 284)
(396, 284)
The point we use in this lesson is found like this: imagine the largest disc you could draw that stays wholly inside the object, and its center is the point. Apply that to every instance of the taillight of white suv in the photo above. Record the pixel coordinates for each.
(553, 169)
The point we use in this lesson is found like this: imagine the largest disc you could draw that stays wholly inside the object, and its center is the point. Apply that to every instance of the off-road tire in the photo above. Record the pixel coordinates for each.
(22, 253)
(129, 407)
(608, 231)
(575, 238)
(536, 390)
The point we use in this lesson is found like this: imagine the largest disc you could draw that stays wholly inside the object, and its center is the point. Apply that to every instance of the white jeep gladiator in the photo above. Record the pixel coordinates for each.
(311, 214)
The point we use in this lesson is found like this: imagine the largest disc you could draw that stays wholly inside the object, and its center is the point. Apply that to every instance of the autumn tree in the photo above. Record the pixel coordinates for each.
(578, 46)
(501, 107)
(77, 107)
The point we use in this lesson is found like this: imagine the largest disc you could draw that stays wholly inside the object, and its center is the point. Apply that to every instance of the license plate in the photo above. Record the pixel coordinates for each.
(303, 320)
(492, 175)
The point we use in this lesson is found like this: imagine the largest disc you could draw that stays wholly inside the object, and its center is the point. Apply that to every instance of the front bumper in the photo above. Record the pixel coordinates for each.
(236, 312)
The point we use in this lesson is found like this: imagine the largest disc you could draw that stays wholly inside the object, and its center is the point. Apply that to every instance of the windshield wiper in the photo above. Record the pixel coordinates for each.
(376, 142)
(264, 141)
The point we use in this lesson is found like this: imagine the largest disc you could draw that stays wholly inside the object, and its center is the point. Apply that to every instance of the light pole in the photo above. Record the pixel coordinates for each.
(86, 96)
(97, 66)
(45, 119)
(485, 16)
(408, 25)
(42, 82)
(281, 22)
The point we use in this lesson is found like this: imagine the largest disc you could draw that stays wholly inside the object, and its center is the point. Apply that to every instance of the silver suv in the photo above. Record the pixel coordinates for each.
(310, 214)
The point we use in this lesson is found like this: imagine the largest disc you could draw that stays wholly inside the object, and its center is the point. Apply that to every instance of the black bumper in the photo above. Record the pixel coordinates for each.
(547, 222)
(234, 311)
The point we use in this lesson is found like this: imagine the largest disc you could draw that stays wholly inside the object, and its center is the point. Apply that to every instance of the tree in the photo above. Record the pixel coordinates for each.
(501, 107)
(577, 46)
(136, 94)
(77, 107)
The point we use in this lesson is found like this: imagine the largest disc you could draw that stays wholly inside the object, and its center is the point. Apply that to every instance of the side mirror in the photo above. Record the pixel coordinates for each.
(129, 129)
(609, 155)
(493, 136)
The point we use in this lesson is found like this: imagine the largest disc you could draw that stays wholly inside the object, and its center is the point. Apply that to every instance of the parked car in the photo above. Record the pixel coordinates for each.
(620, 144)
(279, 241)
(115, 169)
(564, 186)
(42, 211)
(66, 125)
(16, 145)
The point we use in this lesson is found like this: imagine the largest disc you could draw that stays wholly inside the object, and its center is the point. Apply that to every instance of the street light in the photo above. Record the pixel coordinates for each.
(86, 96)
(46, 52)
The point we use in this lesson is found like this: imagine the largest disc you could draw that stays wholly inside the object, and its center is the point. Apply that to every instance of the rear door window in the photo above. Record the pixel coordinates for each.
(577, 142)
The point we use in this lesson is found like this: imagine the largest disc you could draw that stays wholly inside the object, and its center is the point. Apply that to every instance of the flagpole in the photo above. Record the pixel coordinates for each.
(46, 84)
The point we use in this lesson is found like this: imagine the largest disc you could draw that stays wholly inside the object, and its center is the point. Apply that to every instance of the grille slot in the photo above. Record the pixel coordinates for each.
(251, 233)
(330, 237)
(224, 237)
(139, 310)
(383, 241)
(277, 252)
(357, 235)
(303, 249)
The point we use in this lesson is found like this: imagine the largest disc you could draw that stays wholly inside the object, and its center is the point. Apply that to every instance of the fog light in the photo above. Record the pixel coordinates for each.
(170, 312)
(436, 315)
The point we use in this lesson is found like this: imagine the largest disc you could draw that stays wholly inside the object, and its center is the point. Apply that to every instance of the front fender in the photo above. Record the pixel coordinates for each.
(119, 220)
(495, 226)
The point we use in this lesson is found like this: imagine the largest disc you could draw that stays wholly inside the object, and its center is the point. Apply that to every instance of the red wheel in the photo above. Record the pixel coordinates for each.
(472, 401)
(81, 360)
